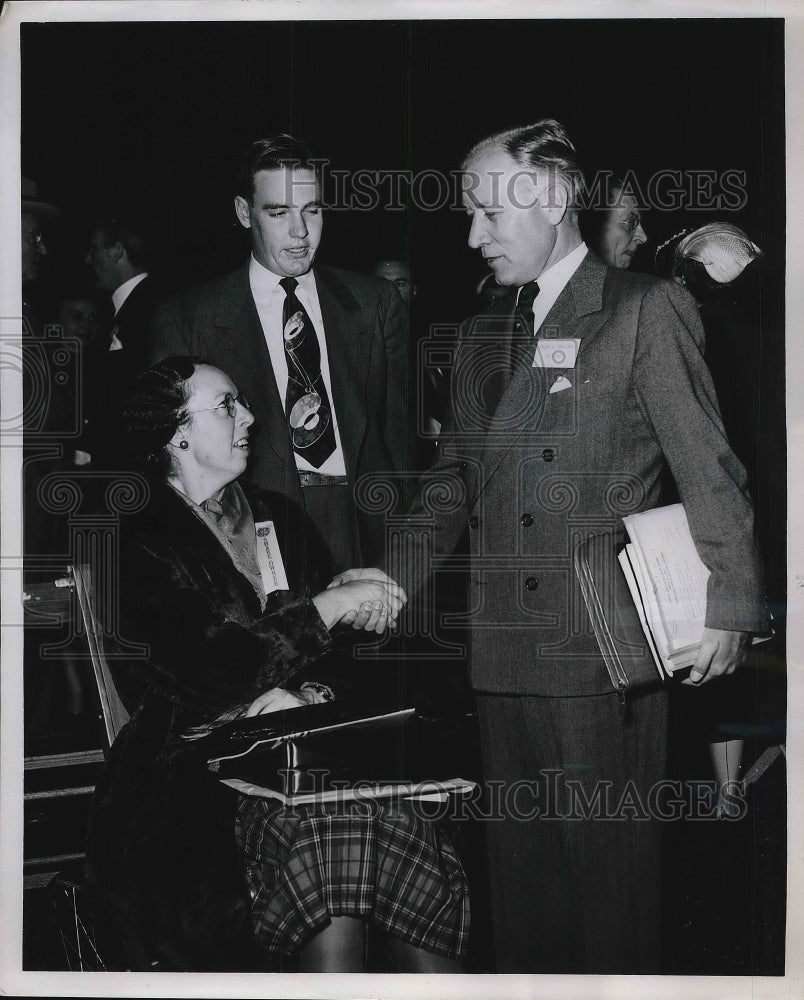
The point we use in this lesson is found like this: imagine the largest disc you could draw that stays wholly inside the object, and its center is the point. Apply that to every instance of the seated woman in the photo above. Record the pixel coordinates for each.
(206, 871)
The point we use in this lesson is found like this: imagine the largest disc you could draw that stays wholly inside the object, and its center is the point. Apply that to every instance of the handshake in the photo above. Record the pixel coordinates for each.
(366, 599)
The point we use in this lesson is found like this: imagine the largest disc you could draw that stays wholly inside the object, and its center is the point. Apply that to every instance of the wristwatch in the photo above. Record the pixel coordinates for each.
(323, 690)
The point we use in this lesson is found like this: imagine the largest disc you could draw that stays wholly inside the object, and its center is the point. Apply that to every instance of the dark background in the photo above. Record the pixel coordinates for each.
(161, 112)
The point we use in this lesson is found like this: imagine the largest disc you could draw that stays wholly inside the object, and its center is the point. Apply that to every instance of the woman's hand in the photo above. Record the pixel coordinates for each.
(278, 699)
(371, 605)
(367, 573)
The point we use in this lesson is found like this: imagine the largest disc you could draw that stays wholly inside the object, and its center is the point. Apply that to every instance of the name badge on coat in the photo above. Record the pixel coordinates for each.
(554, 353)
(269, 558)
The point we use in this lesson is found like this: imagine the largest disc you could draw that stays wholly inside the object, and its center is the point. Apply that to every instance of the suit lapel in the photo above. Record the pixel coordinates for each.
(238, 332)
(578, 312)
(128, 310)
(349, 355)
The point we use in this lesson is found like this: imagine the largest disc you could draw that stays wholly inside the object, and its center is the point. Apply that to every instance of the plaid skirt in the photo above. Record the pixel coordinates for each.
(372, 859)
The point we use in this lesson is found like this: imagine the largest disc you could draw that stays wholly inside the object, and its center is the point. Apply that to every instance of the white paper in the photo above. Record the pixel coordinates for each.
(675, 595)
(269, 558)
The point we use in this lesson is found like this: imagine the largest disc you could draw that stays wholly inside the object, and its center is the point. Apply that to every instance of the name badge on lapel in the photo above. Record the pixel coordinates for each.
(554, 353)
(269, 558)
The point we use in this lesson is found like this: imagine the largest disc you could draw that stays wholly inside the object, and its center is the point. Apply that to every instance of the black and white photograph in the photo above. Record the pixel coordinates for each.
(400, 526)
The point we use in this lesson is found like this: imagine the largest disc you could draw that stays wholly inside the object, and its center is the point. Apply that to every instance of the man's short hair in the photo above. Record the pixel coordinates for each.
(274, 153)
(544, 145)
(127, 227)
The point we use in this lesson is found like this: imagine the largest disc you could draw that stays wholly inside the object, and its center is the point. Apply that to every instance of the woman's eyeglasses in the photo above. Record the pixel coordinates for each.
(229, 404)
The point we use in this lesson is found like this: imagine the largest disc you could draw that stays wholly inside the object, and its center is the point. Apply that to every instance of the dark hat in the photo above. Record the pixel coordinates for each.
(32, 205)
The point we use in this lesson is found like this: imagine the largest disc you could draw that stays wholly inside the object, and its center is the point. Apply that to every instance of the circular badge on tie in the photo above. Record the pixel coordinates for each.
(308, 420)
(294, 331)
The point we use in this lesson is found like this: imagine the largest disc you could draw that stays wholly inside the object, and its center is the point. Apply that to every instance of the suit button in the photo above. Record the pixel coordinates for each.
(526, 520)
(517, 325)
(548, 454)
(474, 521)
(531, 583)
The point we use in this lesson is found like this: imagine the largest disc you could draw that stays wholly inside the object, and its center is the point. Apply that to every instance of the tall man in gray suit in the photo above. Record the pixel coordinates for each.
(317, 351)
(570, 397)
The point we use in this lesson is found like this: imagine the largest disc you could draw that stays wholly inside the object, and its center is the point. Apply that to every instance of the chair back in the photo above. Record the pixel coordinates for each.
(115, 714)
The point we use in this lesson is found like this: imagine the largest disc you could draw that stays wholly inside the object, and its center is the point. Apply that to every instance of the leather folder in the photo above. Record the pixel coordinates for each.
(614, 618)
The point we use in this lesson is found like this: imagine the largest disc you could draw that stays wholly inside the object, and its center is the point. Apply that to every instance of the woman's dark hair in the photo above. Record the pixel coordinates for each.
(154, 407)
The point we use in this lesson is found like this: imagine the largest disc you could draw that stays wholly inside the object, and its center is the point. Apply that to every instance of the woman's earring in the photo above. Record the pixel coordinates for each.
(184, 444)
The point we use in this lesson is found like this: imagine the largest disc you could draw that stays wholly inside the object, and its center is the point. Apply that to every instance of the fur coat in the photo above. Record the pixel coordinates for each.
(161, 832)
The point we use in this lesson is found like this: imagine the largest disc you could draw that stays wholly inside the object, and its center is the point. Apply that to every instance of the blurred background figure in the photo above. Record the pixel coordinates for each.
(713, 263)
(35, 217)
(79, 313)
(118, 258)
(398, 272)
(708, 259)
(78, 310)
(614, 230)
(52, 691)
(488, 291)
(424, 381)
(47, 412)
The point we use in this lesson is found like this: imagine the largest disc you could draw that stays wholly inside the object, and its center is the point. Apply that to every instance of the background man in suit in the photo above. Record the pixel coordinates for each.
(400, 274)
(536, 455)
(326, 418)
(118, 258)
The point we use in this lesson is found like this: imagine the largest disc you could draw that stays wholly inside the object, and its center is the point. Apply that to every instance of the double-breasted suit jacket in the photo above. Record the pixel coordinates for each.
(363, 328)
(570, 451)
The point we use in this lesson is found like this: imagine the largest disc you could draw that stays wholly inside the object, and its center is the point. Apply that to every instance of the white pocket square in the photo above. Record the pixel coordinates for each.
(562, 382)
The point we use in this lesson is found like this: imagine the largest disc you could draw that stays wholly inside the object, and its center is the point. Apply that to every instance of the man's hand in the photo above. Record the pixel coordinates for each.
(720, 653)
(368, 604)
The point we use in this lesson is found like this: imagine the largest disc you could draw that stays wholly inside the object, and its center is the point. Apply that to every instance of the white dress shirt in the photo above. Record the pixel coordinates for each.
(269, 297)
(552, 283)
(119, 296)
(122, 292)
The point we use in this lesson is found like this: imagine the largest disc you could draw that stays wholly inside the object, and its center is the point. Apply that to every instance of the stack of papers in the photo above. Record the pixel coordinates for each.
(422, 791)
(667, 581)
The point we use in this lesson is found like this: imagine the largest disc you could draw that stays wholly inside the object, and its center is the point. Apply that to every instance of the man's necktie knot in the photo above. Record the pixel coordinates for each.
(289, 284)
(527, 296)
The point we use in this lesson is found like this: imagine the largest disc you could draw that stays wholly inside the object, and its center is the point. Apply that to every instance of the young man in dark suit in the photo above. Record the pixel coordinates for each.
(569, 398)
(317, 351)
